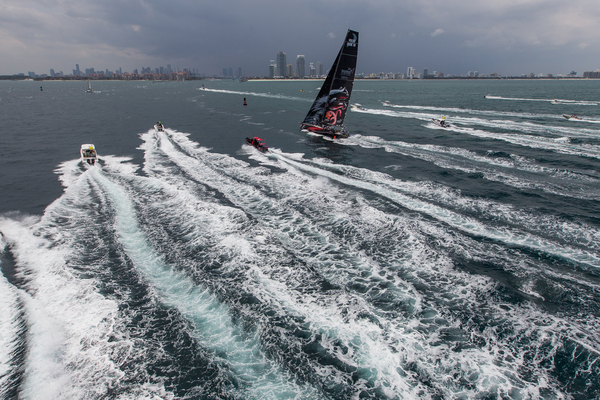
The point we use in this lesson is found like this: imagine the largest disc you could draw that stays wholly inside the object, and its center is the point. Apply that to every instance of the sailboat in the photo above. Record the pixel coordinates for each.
(89, 89)
(326, 116)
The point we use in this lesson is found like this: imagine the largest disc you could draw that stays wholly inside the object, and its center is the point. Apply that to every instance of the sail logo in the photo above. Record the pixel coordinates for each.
(352, 42)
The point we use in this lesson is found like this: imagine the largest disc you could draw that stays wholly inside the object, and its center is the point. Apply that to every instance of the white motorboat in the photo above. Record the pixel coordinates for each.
(159, 127)
(88, 154)
(441, 122)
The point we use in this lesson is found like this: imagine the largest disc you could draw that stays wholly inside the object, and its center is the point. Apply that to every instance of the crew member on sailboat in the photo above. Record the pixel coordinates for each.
(326, 116)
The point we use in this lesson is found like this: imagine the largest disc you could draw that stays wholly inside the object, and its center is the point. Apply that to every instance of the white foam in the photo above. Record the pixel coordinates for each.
(364, 351)
(466, 125)
(69, 322)
(554, 101)
(393, 351)
(256, 94)
(465, 224)
(9, 326)
(515, 171)
(211, 319)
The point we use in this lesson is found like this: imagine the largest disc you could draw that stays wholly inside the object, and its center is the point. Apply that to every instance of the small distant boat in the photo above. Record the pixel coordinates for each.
(158, 127)
(243, 79)
(441, 122)
(357, 107)
(88, 154)
(258, 143)
(574, 116)
(326, 116)
(555, 101)
(89, 88)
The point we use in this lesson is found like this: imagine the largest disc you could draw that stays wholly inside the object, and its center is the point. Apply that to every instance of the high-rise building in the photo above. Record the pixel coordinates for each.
(319, 69)
(52, 74)
(425, 72)
(76, 71)
(410, 71)
(300, 68)
(289, 71)
(312, 71)
(272, 69)
(281, 64)
(224, 71)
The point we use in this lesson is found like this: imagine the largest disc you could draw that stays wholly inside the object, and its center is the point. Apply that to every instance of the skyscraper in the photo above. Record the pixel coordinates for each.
(300, 69)
(281, 64)
(272, 68)
(312, 71)
(319, 69)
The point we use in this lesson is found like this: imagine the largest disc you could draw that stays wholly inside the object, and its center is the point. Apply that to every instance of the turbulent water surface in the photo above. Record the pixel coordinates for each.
(407, 261)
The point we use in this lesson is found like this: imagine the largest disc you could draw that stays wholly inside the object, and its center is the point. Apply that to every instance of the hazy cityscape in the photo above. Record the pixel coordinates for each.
(279, 68)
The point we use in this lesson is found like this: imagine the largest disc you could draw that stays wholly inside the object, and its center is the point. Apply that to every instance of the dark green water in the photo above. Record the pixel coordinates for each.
(407, 261)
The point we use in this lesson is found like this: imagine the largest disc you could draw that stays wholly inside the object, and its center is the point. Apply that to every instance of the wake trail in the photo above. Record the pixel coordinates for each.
(513, 171)
(211, 319)
(65, 314)
(554, 101)
(562, 141)
(256, 94)
(215, 171)
(363, 345)
(13, 335)
(464, 224)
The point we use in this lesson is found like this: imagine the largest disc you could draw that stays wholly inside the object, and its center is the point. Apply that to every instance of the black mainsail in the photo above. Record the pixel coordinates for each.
(326, 116)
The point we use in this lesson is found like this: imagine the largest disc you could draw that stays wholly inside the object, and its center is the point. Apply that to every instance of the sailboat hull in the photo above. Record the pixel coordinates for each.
(325, 131)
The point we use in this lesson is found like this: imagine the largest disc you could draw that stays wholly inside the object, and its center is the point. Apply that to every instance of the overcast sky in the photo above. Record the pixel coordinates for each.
(510, 37)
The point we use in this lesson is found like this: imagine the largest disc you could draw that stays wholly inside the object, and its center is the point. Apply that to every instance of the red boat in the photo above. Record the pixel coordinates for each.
(258, 143)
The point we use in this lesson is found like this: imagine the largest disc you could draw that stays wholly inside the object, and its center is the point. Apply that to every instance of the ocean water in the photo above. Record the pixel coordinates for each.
(408, 261)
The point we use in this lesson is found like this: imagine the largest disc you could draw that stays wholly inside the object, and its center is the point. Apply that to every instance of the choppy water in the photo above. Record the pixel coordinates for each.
(408, 261)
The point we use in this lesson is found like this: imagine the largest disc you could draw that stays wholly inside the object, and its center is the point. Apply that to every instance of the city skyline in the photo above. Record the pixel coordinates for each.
(290, 71)
(316, 70)
(508, 38)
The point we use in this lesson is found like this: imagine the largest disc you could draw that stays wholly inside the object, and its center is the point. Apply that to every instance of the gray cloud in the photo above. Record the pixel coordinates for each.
(509, 37)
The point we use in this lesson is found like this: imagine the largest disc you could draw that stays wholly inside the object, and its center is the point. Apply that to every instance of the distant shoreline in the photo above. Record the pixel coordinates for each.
(69, 78)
